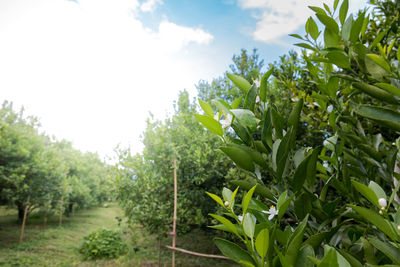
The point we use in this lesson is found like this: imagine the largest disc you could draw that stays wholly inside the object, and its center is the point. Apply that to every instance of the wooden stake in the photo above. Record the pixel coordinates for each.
(175, 213)
(61, 211)
(21, 235)
(197, 253)
(159, 252)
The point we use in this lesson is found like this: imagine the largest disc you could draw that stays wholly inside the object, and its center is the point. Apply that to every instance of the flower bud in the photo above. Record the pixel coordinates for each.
(398, 227)
(382, 202)
(380, 212)
(226, 203)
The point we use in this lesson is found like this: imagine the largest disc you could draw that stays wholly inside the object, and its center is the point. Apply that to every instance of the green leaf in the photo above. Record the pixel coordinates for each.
(379, 61)
(386, 248)
(389, 88)
(335, 4)
(312, 28)
(378, 38)
(377, 190)
(329, 22)
(210, 124)
(250, 100)
(260, 190)
(216, 198)
(233, 251)
(247, 198)
(331, 38)
(346, 28)
(206, 108)
(283, 154)
(294, 116)
(300, 174)
(350, 258)
(264, 84)
(302, 205)
(376, 220)
(240, 157)
(262, 243)
(317, 10)
(339, 58)
(277, 121)
(384, 116)
(343, 11)
(376, 92)
(367, 192)
(226, 222)
(296, 36)
(306, 46)
(227, 194)
(295, 242)
(240, 82)
(283, 204)
(266, 132)
(312, 166)
(356, 28)
(333, 259)
(302, 259)
(236, 102)
(249, 224)
(246, 118)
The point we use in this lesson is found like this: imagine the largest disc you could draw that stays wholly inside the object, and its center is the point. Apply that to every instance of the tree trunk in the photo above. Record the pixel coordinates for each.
(21, 210)
(61, 211)
(21, 235)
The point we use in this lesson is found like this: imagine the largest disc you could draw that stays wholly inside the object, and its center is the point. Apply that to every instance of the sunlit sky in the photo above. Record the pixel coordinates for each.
(92, 70)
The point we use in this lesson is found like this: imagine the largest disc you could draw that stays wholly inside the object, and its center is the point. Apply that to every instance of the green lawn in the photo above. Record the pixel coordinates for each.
(58, 246)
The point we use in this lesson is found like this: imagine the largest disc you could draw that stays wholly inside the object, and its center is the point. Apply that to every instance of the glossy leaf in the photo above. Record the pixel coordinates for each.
(240, 82)
(249, 224)
(246, 118)
(262, 242)
(376, 220)
(384, 116)
(295, 242)
(260, 189)
(264, 84)
(239, 156)
(367, 192)
(226, 222)
(312, 28)
(386, 248)
(329, 22)
(247, 198)
(216, 198)
(210, 124)
(206, 108)
(233, 251)
(379, 61)
(339, 58)
(343, 11)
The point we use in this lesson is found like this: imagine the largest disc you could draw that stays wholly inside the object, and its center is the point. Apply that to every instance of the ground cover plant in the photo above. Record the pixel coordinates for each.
(103, 243)
(331, 202)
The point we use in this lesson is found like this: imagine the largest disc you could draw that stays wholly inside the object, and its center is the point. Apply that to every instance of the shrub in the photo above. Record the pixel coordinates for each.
(103, 243)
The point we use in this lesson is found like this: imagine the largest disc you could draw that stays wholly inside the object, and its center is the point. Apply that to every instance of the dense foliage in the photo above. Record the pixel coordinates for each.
(103, 243)
(44, 173)
(330, 203)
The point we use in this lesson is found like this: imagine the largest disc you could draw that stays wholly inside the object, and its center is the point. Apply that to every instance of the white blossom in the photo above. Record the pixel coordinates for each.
(382, 202)
(240, 217)
(329, 108)
(272, 212)
(226, 122)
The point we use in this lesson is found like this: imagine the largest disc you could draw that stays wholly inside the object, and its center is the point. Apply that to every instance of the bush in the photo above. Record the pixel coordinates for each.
(103, 243)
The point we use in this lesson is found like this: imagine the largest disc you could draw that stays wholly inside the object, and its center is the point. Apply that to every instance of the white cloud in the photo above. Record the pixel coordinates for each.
(280, 18)
(91, 71)
(150, 5)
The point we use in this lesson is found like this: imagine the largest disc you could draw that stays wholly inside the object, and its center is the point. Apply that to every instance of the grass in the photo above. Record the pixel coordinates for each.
(58, 246)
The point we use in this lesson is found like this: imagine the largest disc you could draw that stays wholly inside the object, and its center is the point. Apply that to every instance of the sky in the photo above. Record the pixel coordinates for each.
(93, 70)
